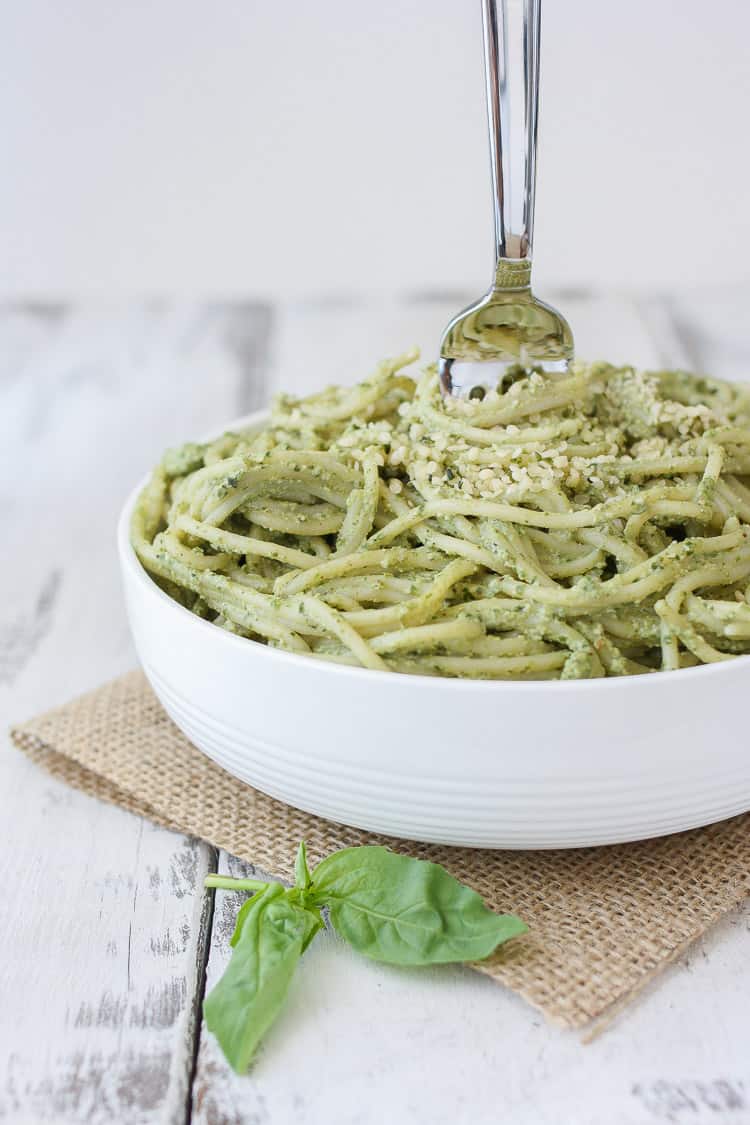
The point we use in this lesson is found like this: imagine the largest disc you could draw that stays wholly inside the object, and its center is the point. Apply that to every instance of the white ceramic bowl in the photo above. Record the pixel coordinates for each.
(475, 763)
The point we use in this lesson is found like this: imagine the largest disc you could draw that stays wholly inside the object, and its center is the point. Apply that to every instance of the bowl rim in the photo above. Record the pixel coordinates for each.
(131, 566)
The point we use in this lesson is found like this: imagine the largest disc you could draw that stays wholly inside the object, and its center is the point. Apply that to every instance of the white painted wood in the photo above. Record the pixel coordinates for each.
(87, 1033)
(101, 962)
(101, 929)
(715, 325)
(339, 340)
(367, 1043)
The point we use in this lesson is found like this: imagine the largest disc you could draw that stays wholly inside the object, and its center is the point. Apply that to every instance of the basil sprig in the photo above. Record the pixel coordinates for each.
(390, 907)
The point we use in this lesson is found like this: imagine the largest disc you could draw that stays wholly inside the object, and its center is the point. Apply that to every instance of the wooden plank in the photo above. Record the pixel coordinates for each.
(340, 341)
(219, 1096)
(713, 324)
(103, 959)
(704, 331)
(106, 923)
(367, 1043)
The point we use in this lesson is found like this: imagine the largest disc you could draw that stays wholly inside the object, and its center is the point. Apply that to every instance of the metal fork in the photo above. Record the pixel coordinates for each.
(508, 331)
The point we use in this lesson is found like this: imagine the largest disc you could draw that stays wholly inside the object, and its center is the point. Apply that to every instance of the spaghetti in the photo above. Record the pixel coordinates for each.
(589, 524)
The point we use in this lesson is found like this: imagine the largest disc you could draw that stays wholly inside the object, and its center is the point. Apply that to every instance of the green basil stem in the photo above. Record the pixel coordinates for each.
(227, 883)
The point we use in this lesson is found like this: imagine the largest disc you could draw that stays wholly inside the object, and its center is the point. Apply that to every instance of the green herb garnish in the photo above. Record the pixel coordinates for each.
(390, 907)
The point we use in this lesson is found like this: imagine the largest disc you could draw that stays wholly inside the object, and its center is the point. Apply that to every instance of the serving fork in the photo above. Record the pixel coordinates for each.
(508, 331)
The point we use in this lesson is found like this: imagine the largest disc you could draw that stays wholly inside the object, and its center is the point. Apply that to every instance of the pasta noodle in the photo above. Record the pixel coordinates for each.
(581, 525)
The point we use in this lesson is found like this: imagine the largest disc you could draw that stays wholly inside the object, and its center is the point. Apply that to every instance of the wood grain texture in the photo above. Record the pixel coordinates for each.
(219, 1096)
(105, 931)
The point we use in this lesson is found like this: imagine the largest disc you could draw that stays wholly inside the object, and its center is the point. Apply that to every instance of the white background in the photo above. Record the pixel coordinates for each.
(257, 147)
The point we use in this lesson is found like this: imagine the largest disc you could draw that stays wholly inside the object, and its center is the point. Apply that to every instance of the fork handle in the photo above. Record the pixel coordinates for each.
(511, 60)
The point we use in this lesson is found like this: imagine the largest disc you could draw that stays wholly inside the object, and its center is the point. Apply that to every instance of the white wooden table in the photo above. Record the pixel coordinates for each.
(107, 940)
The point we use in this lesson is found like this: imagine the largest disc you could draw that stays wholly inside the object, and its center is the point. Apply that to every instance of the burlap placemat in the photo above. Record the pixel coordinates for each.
(603, 921)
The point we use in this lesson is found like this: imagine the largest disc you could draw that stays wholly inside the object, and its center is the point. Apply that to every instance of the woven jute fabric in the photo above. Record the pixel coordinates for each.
(602, 921)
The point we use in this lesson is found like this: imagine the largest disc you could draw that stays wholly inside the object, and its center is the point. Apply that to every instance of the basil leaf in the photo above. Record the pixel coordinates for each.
(406, 911)
(241, 915)
(267, 946)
